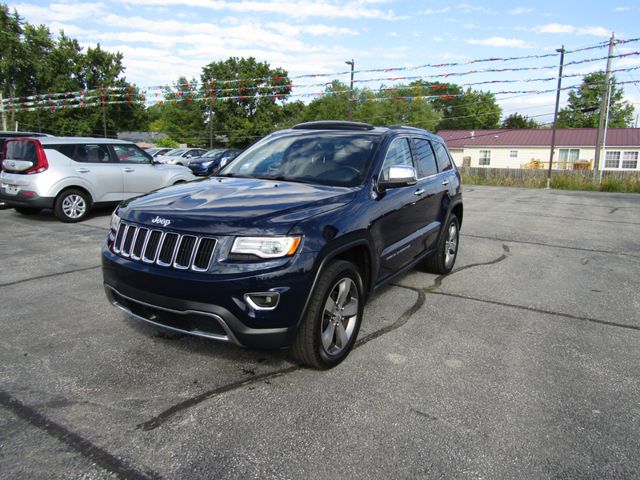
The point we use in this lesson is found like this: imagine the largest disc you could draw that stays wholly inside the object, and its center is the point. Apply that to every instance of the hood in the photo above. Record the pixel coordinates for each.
(227, 206)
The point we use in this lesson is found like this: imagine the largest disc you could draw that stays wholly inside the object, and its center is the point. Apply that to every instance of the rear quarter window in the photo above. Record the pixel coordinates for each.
(442, 157)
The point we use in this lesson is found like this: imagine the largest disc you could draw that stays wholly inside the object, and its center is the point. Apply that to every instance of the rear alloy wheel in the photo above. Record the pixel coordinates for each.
(72, 206)
(444, 258)
(28, 210)
(332, 321)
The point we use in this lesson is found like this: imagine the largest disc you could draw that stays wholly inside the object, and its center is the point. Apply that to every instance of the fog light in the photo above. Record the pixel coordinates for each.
(263, 300)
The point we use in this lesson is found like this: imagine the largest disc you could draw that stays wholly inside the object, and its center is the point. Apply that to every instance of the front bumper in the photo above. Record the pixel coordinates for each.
(200, 170)
(209, 305)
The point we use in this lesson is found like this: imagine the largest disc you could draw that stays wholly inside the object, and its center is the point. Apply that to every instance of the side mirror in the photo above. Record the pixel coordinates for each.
(397, 176)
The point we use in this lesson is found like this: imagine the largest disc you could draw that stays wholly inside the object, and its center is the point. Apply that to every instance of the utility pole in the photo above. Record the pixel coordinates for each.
(104, 118)
(2, 114)
(210, 123)
(604, 110)
(352, 63)
(555, 116)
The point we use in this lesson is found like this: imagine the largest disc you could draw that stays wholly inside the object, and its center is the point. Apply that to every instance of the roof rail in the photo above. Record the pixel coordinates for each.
(333, 125)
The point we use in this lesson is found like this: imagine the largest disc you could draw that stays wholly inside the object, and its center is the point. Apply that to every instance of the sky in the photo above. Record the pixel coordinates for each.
(164, 39)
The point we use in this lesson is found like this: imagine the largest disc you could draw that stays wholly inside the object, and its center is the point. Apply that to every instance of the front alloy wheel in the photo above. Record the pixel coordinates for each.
(339, 316)
(331, 323)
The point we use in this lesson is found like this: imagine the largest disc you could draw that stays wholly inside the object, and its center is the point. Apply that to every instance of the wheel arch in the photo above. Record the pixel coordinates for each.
(76, 187)
(358, 252)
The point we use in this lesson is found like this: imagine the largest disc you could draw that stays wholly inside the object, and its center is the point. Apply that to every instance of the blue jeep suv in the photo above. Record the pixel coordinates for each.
(284, 245)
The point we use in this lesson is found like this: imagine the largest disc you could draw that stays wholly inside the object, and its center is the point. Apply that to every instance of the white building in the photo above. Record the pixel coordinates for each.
(530, 148)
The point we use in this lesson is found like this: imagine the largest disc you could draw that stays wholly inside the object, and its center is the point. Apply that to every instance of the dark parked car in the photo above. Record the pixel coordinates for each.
(212, 161)
(283, 248)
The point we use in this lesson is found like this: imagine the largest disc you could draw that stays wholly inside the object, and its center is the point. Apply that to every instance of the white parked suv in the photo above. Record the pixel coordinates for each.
(71, 175)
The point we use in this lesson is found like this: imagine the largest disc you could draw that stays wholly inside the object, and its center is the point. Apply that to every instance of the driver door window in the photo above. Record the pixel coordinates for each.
(131, 154)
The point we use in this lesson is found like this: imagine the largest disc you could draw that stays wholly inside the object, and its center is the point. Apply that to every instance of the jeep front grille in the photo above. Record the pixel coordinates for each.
(167, 249)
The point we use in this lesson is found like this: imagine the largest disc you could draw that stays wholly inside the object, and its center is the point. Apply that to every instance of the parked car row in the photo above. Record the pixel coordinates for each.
(72, 175)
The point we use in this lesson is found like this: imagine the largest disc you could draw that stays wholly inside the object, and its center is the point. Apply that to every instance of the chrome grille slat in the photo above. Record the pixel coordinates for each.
(129, 238)
(139, 243)
(166, 249)
(204, 254)
(184, 251)
(153, 243)
(117, 243)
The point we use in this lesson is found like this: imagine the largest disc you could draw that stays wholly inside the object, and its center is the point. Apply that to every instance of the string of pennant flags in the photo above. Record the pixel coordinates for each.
(159, 90)
(118, 97)
(112, 95)
(407, 98)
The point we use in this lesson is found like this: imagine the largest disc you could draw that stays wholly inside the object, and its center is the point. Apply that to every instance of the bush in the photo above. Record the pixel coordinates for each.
(526, 178)
(166, 142)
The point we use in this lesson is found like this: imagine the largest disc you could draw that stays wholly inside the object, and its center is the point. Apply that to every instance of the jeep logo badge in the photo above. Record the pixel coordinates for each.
(165, 222)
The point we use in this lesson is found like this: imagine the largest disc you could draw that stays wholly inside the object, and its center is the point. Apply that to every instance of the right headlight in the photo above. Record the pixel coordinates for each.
(266, 247)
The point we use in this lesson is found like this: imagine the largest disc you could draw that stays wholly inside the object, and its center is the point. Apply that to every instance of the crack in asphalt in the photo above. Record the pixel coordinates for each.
(438, 281)
(161, 418)
(84, 447)
(49, 275)
(551, 245)
(539, 310)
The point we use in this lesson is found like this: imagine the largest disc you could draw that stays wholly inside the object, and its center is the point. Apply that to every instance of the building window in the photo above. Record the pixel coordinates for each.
(630, 160)
(513, 154)
(612, 160)
(566, 156)
(485, 157)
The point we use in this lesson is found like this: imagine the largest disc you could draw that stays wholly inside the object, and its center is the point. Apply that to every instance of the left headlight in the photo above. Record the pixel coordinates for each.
(266, 247)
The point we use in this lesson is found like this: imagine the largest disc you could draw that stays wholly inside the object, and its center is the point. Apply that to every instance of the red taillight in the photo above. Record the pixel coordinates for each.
(41, 159)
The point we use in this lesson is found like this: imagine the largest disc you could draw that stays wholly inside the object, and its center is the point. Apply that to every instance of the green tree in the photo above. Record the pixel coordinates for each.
(584, 105)
(244, 98)
(515, 120)
(397, 106)
(33, 62)
(181, 115)
(463, 110)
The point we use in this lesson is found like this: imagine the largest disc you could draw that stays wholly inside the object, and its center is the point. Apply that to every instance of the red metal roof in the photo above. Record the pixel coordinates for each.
(540, 137)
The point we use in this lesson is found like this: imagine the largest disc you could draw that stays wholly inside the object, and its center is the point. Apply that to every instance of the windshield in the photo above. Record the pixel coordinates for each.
(330, 158)
(175, 152)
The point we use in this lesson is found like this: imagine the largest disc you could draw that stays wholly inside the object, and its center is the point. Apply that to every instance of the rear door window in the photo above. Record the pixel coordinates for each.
(131, 154)
(442, 157)
(424, 157)
(86, 153)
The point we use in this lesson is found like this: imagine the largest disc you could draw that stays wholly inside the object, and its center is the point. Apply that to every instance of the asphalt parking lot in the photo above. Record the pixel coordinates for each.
(522, 363)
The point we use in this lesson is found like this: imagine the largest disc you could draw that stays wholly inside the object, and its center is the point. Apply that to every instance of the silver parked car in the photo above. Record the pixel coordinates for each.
(71, 175)
(180, 156)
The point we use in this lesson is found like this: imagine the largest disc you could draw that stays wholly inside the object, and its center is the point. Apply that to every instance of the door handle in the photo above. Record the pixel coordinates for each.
(418, 192)
(446, 182)
(128, 170)
(82, 170)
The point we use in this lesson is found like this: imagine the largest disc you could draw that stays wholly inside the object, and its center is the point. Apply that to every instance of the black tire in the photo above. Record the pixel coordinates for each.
(72, 206)
(439, 262)
(308, 348)
(28, 210)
